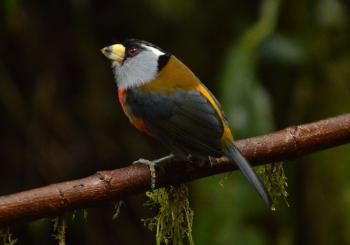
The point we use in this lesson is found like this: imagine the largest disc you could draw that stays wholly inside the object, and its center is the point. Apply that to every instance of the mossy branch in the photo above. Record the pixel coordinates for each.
(104, 186)
(173, 223)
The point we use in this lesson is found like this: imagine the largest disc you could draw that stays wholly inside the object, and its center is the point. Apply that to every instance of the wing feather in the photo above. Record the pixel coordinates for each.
(185, 119)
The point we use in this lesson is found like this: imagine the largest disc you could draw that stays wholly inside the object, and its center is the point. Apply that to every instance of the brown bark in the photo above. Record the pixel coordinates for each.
(285, 144)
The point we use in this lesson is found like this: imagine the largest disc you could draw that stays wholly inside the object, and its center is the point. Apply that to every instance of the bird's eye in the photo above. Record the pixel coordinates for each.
(133, 51)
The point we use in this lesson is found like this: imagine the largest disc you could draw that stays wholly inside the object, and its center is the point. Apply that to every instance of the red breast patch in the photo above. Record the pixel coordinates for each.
(137, 122)
(121, 95)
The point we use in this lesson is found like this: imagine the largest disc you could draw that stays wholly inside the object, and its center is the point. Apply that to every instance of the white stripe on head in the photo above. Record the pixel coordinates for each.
(154, 50)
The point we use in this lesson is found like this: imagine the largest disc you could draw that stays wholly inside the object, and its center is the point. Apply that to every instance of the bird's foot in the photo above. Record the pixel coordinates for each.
(152, 166)
(142, 161)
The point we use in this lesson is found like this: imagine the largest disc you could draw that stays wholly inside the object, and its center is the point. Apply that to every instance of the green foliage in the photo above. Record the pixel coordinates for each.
(117, 207)
(59, 227)
(6, 237)
(84, 213)
(249, 110)
(276, 182)
(246, 103)
(173, 222)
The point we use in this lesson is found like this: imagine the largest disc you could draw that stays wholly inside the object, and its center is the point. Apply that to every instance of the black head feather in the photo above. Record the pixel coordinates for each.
(133, 42)
(137, 43)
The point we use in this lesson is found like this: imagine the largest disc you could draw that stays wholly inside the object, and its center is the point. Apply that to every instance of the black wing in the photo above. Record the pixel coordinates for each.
(184, 120)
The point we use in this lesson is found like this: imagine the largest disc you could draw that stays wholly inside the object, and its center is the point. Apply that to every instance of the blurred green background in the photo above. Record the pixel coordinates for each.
(272, 63)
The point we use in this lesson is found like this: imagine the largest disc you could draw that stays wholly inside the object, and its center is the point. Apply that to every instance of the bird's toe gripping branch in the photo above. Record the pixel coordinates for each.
(152, 166)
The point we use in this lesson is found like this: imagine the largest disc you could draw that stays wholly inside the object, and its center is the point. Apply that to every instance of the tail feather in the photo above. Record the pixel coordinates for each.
(235, 155)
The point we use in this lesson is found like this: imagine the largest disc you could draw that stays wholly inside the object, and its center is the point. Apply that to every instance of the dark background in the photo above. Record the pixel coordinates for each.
(271, 63)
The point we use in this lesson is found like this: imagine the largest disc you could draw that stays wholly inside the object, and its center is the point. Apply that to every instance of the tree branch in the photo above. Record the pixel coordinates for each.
(116, 184)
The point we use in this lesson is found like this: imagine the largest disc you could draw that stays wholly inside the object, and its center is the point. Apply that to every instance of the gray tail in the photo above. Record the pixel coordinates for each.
(236, 156)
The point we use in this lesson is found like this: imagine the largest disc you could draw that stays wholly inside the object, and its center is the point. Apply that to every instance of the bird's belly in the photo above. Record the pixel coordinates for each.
(137, 122)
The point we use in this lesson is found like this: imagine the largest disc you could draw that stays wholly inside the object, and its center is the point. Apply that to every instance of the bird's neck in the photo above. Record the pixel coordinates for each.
(134, 73)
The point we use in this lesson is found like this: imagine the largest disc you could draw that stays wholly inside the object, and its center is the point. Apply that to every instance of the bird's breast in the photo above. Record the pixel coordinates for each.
(134, 120)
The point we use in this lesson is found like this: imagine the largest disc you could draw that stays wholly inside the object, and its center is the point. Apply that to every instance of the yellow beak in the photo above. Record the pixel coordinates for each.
(114, 52)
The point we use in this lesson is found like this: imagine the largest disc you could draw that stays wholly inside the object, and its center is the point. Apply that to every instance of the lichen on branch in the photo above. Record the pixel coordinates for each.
(275, 181)
(173, 222)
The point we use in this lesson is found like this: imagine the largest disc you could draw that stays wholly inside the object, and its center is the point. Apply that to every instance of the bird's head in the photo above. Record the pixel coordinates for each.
(135, 62)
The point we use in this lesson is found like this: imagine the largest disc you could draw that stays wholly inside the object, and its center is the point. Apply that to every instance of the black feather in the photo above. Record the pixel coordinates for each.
(163, 60)
(185, 119)
(235, 155)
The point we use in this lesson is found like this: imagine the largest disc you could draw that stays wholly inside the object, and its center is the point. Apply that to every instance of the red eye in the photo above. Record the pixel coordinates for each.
(133, 51)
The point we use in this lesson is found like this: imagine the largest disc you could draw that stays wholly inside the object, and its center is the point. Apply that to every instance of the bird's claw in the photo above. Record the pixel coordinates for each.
(152, 167)
(142, 161)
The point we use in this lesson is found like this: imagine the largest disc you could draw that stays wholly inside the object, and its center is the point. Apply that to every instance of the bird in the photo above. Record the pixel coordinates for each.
(163, 98)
